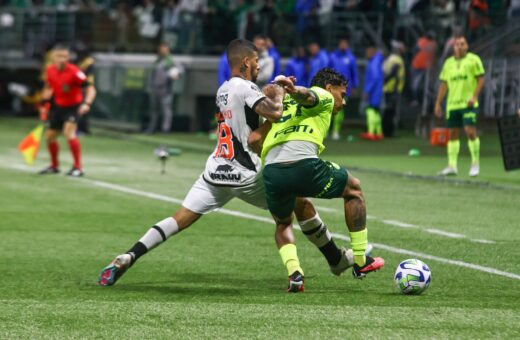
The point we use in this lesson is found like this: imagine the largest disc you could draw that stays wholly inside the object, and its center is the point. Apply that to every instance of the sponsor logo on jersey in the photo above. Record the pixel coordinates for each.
(224, 168)
(294, 128)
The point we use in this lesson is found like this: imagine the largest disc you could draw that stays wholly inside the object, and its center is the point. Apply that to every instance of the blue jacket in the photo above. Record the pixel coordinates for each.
(296, 67)
(374, 80)
(345, 63)
(316, 63)
(224, 72)
(276, 57)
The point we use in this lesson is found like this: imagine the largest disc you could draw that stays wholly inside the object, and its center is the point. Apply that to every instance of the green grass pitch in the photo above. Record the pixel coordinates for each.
(223, 277)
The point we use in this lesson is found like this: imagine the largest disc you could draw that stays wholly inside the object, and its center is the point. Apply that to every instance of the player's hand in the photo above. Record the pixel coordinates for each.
(83, 109)
(272, 91)
(472, 101)
(438, 111)
(286, 82)
(44, 113)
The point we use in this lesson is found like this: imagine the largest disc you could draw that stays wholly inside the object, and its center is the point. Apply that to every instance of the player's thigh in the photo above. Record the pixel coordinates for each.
(70, 129)
(470, 119)
(329, 180)
(454, 119)
(253, 193)
(204, 197)
(279, 190)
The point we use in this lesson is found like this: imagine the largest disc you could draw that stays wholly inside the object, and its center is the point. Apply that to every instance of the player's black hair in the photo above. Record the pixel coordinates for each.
(238, 49)
(328, 76)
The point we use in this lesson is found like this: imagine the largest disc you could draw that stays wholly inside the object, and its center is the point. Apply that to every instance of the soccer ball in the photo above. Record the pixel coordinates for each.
(412, 277)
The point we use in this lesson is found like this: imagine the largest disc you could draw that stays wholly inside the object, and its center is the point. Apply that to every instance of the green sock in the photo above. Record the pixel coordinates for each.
(338, 121)
(371, 120)
(453, 152)
(359, 242)
(290, 258)
(474, 150)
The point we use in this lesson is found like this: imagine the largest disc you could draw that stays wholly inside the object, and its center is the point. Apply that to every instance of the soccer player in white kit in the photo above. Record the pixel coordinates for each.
(234, 170)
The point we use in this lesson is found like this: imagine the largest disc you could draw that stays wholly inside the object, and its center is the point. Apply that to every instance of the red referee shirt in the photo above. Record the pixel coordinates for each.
(66, 84)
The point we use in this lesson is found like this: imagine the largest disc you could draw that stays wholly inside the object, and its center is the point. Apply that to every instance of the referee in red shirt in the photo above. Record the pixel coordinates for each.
(64, 82)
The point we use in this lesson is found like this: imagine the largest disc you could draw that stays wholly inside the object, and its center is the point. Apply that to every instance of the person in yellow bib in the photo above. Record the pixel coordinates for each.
(462, 77)
(293, 169)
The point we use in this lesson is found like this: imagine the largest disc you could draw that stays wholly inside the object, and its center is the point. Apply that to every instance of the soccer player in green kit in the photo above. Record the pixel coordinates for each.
(292, 167)
(462, 76)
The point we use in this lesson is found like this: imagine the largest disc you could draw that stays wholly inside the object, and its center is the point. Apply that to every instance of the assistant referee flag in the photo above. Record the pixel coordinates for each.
(30, 144)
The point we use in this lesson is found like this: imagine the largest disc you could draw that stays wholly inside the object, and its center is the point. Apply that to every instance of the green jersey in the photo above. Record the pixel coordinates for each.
(461, 78)
(302, 123)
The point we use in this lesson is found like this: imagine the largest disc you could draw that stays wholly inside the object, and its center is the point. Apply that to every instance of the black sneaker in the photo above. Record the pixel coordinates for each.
(295, 283)
(75, 172)
(372, 264)
(49, 170)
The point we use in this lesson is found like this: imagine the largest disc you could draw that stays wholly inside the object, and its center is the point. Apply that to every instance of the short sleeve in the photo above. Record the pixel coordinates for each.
(80, 77)
(252, 95)
(324, 104)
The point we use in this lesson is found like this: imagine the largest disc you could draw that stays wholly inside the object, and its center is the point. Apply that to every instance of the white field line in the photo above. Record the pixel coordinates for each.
(391, 249)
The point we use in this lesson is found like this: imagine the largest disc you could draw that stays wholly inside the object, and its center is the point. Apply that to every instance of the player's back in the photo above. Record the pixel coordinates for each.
(233, 163)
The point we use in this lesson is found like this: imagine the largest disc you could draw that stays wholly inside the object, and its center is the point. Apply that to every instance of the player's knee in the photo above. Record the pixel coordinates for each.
(353, 189)
(303, 208)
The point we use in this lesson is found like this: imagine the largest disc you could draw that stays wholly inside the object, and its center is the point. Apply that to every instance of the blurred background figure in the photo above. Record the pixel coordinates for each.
(373, 93)
(318, 59)
(273, 52)
(223, 72)
(297, 66)
(85, 62)
(394, 79)
(343, 60)
(164, 73)
(265, 61)
(422, 61)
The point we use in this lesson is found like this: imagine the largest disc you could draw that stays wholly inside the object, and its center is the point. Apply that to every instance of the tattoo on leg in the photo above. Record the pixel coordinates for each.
(355, 214)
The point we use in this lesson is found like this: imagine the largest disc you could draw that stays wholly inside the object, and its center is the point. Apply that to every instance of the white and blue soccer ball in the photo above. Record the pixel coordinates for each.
(412, 276)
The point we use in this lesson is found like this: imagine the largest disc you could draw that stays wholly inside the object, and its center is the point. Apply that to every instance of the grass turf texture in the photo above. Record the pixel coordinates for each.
(223, 278)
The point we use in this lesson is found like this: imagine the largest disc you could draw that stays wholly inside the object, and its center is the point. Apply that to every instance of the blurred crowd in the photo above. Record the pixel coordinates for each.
(181, 23)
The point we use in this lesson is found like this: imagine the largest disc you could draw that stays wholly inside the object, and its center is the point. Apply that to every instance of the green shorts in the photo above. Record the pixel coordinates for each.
(311, 177)
(462, 117)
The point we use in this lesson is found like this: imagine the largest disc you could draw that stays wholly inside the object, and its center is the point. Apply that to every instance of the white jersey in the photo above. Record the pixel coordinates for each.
(233, 163)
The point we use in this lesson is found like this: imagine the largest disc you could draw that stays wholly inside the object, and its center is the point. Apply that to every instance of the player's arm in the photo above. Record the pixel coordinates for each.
(443, 89)
(257, 137)
(271, 108)
(480, 85)
(45, 103)
(300, 94)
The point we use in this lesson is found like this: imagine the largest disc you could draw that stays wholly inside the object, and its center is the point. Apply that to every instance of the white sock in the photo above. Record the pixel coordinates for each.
(160, 232)
(316, 231)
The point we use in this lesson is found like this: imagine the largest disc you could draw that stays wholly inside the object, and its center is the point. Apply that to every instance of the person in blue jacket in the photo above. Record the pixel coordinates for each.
(373, 93)
(297, 66)
(224, 72)
(343, 60)
(318, 59)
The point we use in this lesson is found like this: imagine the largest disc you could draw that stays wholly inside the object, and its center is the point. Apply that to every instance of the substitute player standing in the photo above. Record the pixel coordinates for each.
(233, 171)
(462, 76)
(65, 82)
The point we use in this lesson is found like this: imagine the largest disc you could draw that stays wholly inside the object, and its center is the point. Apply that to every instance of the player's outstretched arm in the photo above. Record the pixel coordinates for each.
(300, 94)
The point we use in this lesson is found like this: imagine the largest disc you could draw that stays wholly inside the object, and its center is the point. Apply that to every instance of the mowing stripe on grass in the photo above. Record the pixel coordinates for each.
(120, 188)
(336, 235)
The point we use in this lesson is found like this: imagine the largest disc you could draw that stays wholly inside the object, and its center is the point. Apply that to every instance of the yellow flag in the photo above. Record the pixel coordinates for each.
(30, 144)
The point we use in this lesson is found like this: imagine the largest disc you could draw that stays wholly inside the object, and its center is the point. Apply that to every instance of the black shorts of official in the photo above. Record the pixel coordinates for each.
(59, 115)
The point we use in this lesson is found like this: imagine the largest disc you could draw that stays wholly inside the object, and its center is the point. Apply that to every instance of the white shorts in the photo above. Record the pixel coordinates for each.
(204, 197)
